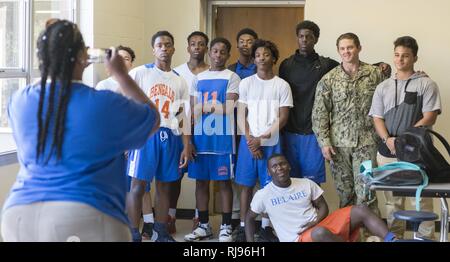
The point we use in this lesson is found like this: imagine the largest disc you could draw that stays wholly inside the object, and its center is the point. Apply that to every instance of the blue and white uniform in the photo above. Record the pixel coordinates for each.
(160, 156)
(214, 134)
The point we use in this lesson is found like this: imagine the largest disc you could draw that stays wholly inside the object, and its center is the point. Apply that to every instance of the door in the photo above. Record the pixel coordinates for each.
(276, 24)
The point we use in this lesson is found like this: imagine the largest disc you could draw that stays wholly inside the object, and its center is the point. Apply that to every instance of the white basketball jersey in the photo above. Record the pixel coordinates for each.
(167, 90)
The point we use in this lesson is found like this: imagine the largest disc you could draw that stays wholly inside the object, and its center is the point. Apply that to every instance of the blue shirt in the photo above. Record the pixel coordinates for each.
(99, 127)
(214, 133)
(243, 71)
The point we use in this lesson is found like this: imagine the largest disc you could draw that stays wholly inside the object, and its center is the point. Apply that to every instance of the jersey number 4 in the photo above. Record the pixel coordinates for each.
(165, 108)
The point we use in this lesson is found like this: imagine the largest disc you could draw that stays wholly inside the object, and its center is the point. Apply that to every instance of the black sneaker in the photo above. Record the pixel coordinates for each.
(147, 231)
(160, 230)
(240, 235)
(165, 238)
(135, 235)
(267, 234)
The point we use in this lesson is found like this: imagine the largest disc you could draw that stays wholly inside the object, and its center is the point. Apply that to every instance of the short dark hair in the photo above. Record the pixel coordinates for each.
(128, 50)
(308, 25)
(267, 44)
(246, 31)
(350, 36)
(162, 33)
(223, 41)
(273, 156)
(408, 42)
(198, 33)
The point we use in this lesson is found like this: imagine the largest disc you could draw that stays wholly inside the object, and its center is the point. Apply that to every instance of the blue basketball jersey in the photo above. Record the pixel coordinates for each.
(214, 133)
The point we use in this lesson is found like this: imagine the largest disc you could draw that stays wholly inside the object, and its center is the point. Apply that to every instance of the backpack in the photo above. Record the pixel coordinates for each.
(415, 145)
(394, 174)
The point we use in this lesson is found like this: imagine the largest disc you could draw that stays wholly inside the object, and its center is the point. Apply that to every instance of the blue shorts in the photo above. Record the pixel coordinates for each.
(305, 156)
(211, 167)
(159, 158)
(248, 169)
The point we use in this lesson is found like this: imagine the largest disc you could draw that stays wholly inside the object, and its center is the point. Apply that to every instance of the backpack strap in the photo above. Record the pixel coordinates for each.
(441, 138)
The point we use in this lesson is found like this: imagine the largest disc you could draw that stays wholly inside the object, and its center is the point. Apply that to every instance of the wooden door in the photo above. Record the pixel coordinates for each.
(276, 24)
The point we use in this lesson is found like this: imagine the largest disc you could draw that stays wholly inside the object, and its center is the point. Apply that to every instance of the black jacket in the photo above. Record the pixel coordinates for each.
(303, 73)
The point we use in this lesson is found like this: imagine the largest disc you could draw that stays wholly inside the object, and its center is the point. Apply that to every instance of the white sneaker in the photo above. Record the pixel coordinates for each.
(225, 233)
(374, 239)
(203, 231)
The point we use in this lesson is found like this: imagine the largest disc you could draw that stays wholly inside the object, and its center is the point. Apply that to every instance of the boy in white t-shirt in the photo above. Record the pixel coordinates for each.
(197, 48)
(299, 212)
(263, 109)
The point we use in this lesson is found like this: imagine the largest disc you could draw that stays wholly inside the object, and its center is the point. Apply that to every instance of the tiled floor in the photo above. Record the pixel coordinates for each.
(184, 227)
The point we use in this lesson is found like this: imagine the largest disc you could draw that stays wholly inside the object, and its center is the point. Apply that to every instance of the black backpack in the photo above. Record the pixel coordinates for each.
(416, 146)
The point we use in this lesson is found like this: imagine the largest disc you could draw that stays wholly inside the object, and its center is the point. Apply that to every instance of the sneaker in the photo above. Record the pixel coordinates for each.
(135, 235)
(171, 228)
(267, 234)
(160, 230)
(240, 235)
(374, 239)
(147, 231)
(200, 233)
(225, 233)
(165, 238)
(195, 222)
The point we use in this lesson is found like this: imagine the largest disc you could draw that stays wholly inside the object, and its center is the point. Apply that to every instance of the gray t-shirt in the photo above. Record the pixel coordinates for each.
(401, 103)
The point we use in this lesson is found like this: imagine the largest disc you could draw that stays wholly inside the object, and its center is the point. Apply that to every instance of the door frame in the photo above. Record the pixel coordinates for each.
(213, 4)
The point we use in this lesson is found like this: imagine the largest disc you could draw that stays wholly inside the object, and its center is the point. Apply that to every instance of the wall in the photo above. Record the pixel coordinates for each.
(179, 17)
(7, 177)
(379, 23)
(106, 23)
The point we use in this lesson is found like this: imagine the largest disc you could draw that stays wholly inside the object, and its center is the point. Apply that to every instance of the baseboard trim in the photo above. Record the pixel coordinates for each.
(8, 158)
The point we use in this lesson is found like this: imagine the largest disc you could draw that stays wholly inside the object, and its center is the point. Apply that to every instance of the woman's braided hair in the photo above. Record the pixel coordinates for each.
(58, 47)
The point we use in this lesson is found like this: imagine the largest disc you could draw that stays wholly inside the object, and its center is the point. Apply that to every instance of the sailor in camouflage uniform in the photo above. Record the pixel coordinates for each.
(340, 119)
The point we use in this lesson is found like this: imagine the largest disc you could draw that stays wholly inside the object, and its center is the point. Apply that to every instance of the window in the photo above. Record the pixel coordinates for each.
(21, 22)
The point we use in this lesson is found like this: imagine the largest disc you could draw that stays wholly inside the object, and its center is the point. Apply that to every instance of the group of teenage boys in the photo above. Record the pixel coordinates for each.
(225, 124)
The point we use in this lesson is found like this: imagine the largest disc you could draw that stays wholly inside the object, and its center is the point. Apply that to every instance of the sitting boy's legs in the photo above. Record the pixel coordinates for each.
(344, 224)
(362, 215)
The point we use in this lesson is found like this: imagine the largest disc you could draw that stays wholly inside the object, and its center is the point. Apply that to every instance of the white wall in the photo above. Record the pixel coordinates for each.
(106, 23)
(179, 17)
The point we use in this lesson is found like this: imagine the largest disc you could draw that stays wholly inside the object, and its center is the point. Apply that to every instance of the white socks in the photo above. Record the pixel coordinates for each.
(172, 212)
(148, 218)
